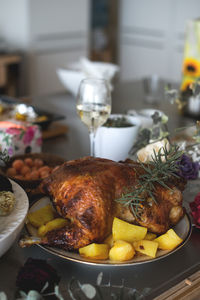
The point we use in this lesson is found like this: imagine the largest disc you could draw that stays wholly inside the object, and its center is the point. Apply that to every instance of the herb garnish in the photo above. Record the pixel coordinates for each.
(118, 122)
(158, 171)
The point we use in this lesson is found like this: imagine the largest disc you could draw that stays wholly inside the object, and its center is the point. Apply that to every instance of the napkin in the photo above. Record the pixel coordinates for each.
(99, 69)
(84, 68)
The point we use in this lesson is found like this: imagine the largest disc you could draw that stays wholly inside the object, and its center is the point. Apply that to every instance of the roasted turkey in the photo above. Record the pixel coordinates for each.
(85, 190)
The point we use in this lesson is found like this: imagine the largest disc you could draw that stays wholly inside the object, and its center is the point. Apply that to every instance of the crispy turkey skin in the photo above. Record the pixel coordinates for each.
(84, 191)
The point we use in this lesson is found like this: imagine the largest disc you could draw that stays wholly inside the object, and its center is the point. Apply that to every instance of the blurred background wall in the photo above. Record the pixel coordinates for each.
(143, 37)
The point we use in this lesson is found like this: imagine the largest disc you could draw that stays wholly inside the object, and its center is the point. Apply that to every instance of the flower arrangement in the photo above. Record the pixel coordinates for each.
(36, 280)
(37, 275)
(150, 140)
(189, 95)
(190, 87)
(188, 169)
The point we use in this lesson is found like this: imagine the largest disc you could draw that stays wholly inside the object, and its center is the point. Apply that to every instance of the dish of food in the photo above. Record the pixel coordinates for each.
(7, 197)
(183, 229)
(12, 223)
(11, 108)
(29, 169)
(89, 194)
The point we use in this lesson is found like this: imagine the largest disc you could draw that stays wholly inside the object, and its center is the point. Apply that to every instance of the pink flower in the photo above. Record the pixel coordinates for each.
(195, 210)
(29, 135)
(13, 131)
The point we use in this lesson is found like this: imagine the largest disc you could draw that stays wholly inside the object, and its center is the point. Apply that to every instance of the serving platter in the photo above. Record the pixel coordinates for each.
(11, 225)
(183, 229)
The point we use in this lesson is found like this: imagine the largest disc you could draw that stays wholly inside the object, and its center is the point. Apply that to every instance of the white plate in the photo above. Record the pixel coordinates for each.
(183, 229)
(11, 225)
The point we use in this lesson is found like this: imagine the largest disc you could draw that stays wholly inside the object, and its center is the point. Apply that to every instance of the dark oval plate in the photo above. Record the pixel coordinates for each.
(183, 229)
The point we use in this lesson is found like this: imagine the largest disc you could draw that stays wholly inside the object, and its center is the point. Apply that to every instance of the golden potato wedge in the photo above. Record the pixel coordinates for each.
(146, 247)
(109, 240)
(168, 240)
(121, 251)
(52, 225)
(125, 231)
(150, 236)
(41, 216)
(95, 251)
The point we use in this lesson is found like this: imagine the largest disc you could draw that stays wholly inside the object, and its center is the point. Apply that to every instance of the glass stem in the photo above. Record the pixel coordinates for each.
(92, 143)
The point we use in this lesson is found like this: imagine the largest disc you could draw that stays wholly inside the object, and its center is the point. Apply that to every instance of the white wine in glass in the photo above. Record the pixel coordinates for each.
(93, 105)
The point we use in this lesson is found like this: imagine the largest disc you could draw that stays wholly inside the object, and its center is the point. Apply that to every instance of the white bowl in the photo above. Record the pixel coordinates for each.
(71, 77)
(145, 116)
(115, 142)
(148, 112)
(12, 224)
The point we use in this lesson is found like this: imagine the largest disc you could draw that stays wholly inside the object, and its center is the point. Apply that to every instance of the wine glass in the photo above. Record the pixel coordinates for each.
(93, 105)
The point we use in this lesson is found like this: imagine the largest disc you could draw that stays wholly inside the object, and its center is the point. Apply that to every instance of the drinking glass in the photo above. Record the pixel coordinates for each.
(93, 105)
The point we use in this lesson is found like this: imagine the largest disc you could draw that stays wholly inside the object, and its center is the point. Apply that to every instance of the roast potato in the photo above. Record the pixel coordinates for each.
(41, 216)
(150, 236)
(146, 247)
(95, 251)
(52, 225)
(121, 251)
(168, 240)
(125, 231)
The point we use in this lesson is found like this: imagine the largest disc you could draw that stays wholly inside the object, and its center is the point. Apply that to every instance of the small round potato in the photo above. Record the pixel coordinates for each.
(121, 251)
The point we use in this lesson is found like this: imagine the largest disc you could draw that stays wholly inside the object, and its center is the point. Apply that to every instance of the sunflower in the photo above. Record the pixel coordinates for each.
(191, 67)
(186, 85)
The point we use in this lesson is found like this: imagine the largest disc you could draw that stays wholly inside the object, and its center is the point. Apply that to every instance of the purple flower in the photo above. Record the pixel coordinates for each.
(187, 168)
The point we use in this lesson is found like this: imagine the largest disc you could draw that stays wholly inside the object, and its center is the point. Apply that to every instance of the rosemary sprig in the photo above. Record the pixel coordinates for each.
(158, 171)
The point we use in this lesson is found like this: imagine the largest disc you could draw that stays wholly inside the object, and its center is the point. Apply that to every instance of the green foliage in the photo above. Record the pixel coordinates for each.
(196, 136)
(4, 156)
(157, 132)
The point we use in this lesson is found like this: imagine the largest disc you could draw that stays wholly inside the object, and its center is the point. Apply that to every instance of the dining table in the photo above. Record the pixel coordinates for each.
(150, 280)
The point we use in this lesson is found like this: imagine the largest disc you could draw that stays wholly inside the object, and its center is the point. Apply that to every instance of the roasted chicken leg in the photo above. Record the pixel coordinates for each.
(84, 191)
